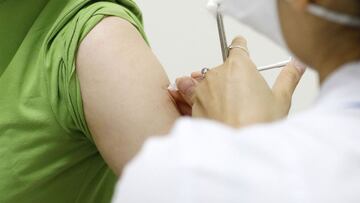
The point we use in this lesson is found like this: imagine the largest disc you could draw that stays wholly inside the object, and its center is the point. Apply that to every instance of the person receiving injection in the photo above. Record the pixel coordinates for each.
(240, 146)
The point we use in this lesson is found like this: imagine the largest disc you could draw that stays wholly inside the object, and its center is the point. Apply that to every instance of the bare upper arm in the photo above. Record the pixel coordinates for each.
(124, 91)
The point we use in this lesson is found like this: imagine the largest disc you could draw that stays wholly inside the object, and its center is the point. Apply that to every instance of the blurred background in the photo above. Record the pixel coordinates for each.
(183, 34)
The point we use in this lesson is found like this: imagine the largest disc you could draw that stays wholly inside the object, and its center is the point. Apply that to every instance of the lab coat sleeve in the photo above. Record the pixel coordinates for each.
(203, 161)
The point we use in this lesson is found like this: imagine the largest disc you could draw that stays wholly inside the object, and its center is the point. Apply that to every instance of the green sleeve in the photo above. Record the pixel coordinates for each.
(63, 81)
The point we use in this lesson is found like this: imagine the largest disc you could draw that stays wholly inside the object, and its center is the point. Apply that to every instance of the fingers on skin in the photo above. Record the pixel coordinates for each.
(205, 93)
(182, 105)
(288, 80)
(183, 97)
(185, 109)
(175, 96)
(186, 86)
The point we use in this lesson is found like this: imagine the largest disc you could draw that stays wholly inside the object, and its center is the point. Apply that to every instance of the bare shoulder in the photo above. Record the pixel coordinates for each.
(123, 87)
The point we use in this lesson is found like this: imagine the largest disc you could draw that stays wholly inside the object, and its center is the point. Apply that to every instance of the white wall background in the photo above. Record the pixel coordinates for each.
(184, 37)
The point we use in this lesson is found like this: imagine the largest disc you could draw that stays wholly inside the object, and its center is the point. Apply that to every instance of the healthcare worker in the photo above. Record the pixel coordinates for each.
(249, 151)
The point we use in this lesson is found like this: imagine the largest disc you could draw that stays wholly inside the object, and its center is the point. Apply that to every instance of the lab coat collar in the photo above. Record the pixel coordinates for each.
(342, 89)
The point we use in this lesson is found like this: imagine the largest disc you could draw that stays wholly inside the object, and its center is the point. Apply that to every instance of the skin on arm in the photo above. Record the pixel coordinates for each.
(124, 91)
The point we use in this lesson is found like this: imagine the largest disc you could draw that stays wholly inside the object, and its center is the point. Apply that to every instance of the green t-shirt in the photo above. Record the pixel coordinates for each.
(46, 151)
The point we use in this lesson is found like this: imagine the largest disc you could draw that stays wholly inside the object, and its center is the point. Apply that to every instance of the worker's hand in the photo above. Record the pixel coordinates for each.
(235, 93)
(186, 87)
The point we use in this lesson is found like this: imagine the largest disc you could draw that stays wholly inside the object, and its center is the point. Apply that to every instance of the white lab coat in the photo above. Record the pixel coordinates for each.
(313, 157)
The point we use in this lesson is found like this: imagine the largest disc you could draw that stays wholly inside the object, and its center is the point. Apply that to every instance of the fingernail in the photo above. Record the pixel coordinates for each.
(299, 66)
(186, 86)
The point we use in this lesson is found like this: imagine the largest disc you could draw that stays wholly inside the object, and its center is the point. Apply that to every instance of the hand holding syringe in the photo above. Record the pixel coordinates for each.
(223, 42)
(262, 68)
(214, 7)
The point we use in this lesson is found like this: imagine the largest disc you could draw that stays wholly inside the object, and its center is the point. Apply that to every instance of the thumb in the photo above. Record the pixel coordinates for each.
(186, 86)
(288, 80)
